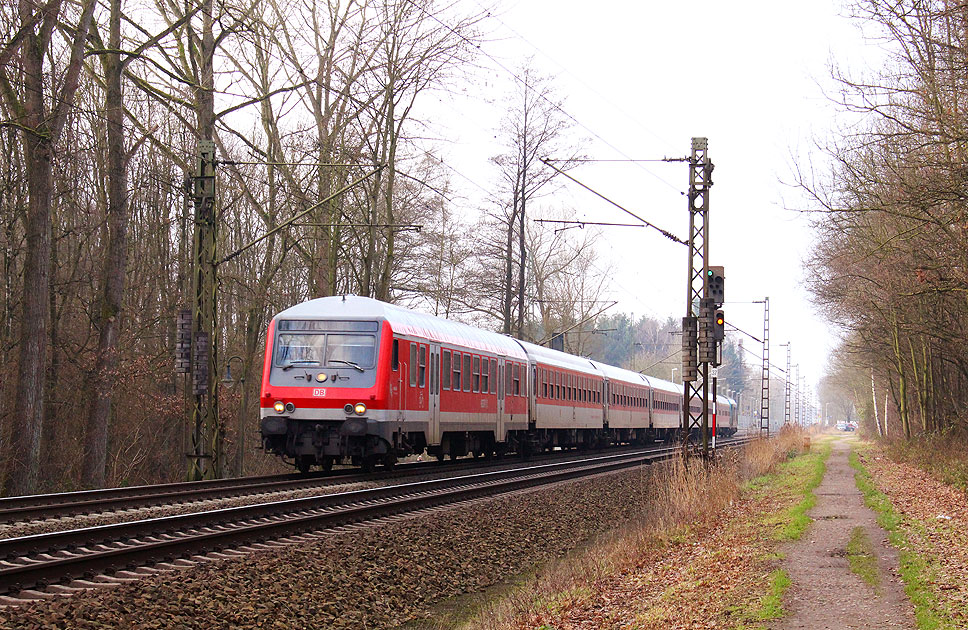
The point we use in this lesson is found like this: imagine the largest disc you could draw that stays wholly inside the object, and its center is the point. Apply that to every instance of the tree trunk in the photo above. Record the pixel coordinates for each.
(901, 379)
(40, 131)
(103, 377)
(877, 421)
(508, 298)
(28, 411)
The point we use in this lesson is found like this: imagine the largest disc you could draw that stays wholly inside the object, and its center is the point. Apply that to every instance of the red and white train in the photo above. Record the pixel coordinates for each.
(355, 378)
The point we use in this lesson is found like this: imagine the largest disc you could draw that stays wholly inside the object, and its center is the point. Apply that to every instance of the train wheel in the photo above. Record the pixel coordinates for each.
(304, 463)
(389, 461)
(368, 463)
(328, 463)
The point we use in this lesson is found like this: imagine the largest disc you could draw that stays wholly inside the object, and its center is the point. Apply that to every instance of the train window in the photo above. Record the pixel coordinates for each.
(422, 372)
(413, 364)
(466, 373)
(507, 380)
(395, 356)
(485, 377)
(456, 383)
(544, 384)
(517, 379)
(494, 375)
(477, 374)
(445, 370)
(328, 325)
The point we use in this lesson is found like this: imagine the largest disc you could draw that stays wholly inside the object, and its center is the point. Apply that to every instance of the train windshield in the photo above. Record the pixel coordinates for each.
(335, 349)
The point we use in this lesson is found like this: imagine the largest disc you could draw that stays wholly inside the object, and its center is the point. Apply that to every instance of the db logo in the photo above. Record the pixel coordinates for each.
(319, 392)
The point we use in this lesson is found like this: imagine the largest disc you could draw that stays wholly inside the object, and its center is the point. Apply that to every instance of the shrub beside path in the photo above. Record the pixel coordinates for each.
(844, 573)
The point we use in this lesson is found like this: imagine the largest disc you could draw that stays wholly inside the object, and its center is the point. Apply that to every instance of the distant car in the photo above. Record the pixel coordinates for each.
(842, 426)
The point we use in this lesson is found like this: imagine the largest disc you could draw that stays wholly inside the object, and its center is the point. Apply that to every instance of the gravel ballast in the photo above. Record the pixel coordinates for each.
(372, 577)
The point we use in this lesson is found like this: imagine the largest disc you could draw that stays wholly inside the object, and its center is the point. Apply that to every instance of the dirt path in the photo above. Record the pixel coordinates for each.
(825, 593)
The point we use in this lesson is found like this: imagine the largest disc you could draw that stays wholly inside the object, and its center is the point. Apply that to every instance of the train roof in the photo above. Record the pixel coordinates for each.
(557, 358)
(665, 386)
(620, 374)
(406, 322)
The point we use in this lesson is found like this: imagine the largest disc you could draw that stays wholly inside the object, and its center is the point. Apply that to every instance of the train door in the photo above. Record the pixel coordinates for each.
(605, 402)
(434, 401)
(499, 429)
(532, 390)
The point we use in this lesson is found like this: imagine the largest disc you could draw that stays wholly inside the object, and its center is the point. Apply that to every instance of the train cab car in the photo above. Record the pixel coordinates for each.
(348, 377)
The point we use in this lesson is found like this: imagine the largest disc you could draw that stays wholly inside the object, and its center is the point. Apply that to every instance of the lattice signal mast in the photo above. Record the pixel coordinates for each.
(695, 343)
(765, 383)
(786, 403)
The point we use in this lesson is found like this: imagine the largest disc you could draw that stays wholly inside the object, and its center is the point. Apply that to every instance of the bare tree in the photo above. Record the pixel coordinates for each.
(41, 118)
(535, 127)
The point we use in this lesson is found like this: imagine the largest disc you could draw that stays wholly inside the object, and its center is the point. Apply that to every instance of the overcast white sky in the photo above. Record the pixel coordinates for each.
(642, 78)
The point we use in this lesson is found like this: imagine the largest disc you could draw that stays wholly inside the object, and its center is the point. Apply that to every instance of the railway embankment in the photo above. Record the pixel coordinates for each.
(729, 567)
(376, 576)
(704, 554)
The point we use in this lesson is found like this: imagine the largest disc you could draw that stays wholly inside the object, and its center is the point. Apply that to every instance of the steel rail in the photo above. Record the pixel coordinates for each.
(57, 505)
(39, 560)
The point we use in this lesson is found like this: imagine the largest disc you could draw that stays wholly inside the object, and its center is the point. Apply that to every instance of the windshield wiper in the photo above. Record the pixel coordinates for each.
(349, 363)
(293, 364)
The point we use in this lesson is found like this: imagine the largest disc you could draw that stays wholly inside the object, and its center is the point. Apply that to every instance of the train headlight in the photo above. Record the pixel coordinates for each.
(279, 406)
(360, 409)
(290, 407)
(348, 408)
(321, 377)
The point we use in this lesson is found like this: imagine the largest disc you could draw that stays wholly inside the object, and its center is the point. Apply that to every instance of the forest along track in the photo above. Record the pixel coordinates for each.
(60, 563)
(60, 505)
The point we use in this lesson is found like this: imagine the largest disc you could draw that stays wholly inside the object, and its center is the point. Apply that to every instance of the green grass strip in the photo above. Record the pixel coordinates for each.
(771, 606)
(812, 466)
(860, 557)
(928, 611)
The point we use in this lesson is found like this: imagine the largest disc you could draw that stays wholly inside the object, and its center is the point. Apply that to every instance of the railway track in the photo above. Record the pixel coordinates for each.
(48, 506)
(59, 563)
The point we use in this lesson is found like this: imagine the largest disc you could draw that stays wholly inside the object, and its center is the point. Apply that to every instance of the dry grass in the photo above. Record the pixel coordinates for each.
(680, 495)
